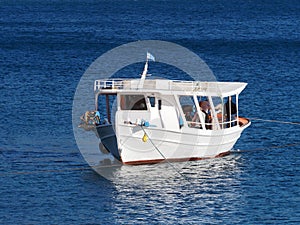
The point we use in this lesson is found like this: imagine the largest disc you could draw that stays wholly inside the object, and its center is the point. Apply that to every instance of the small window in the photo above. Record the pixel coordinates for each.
(152, 101)
(133, 102)
(159, 104)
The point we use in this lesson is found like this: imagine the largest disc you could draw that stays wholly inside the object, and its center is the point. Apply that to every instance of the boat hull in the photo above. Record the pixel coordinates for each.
(108, 138)
(186, 145)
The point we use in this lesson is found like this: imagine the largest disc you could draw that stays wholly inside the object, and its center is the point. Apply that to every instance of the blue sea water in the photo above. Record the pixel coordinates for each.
(45, 48)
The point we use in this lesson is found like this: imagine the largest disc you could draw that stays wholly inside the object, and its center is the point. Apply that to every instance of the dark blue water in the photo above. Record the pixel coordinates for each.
(45, 48)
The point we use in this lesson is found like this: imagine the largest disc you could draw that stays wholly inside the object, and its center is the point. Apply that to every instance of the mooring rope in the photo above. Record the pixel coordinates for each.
(82, 168)
(176, 169)
(265, 148)
(107, 166)
(45, 171)
(275, 121)
(274, 146)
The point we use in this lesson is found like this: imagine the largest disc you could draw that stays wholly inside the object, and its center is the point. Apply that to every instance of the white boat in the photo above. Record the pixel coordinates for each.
(157, 119)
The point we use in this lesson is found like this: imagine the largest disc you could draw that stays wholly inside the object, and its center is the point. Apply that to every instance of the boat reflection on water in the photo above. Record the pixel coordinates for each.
(211, 186)
(192, 172)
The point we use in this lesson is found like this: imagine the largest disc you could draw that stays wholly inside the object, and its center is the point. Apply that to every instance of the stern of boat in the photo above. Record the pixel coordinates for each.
(108, 138)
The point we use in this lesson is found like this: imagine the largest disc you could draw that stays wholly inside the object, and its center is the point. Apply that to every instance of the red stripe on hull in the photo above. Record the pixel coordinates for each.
(154, 161)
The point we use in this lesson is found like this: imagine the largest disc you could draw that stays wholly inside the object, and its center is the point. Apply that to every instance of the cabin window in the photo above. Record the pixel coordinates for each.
(230, 111)
(133, 102)
(107, 102)
(152, 101)
(159, 104)
(188, 107)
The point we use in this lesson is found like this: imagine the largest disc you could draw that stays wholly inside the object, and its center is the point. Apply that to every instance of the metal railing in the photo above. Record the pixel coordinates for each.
(108, 84)
(154, 84)
(213, 126)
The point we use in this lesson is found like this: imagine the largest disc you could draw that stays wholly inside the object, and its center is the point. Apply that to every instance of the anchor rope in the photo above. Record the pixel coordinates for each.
(45, 171)
(273, 146)
(176, 169)
(275, 121)
(265, 148)
(107, 166)
(186, 178)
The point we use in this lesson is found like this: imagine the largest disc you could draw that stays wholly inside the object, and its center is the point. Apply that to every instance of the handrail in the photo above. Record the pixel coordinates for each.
(223, 125)
(118, 83)
(108, 84)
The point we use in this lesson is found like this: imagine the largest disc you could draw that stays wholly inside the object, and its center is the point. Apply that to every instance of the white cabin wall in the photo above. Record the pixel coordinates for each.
(126, 116)
(155, 119)
(169, 113)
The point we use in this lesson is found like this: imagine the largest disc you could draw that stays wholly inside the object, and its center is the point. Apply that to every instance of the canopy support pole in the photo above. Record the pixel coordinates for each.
(107, 108)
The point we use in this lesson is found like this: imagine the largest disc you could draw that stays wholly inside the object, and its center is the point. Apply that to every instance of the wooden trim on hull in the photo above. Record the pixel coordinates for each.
(154, 161)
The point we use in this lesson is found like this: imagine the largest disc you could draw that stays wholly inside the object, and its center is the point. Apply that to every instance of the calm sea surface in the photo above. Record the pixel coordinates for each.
(45, 48)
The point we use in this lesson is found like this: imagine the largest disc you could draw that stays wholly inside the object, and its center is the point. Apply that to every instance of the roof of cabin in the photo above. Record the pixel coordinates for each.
(169, 87)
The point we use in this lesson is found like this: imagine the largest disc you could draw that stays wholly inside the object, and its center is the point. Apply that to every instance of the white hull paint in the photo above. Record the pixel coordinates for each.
(188, 144)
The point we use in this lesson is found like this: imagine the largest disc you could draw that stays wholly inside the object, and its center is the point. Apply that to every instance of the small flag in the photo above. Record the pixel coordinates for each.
(150, 56)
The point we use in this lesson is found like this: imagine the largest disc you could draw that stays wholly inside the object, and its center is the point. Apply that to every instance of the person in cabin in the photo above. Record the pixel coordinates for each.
(188, 116)
(187, 110)
(97, 118)
(204, 107)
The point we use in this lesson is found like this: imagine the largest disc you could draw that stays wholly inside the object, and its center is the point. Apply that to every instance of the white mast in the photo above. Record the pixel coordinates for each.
(144, 74)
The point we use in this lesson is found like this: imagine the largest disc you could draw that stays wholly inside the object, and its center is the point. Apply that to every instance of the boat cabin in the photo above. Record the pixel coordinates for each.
(171, 104)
